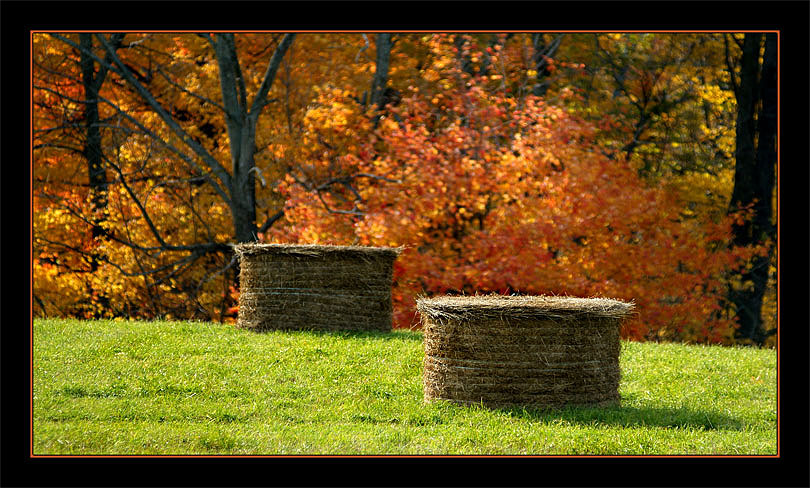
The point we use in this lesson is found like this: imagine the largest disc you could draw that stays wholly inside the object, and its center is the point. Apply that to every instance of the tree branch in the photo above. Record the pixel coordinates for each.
(730, 67)
(225, 197)
(204, 247)
(210, 276)
(259, 101)
(122, 71)
(240, 79)
(229, 77)
(207, 37)
(383, 46)
(362, 49)
(187, 91)
(367, 175)
(331, 210)
(271, 220)
(209, 160)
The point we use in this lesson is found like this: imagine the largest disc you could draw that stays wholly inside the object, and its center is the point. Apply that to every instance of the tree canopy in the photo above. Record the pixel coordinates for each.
(587, 164)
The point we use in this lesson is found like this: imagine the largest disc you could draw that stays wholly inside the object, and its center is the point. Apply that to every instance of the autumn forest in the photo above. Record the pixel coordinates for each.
(636, 166)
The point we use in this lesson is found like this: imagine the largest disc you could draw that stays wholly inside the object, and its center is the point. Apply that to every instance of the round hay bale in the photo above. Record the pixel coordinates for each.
(522, 351)
(315, 287)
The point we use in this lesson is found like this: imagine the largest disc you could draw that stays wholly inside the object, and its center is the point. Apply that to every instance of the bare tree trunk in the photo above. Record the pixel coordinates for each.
(237, 188)
(766, 145)
(754, 176)
(241, 121)
(745, 153)
(92, 143)
(92, 149)
(381, 72)
(97, 175)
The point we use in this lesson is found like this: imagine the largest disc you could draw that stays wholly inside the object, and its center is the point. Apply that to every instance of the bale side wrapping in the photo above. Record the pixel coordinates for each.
(314, 287)
(518, 351)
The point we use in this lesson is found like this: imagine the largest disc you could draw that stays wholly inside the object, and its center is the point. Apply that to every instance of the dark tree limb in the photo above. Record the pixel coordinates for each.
(383, 46)
(755, 156)
(164, 114)
(187, 91)
(730, 66)
(271, 220)
(260, 100)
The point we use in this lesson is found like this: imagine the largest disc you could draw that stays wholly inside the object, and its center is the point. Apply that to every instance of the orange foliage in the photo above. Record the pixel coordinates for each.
(495, 198)
(489, 189)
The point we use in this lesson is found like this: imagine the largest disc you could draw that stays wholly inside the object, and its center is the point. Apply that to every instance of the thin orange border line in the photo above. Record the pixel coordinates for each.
(207, 456)
(424, 31)
(403, 456)
(31, 230)
(778, 240)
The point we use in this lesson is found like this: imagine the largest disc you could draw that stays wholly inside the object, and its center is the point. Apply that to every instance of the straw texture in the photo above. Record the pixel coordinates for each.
(315, 287)
(516, 351)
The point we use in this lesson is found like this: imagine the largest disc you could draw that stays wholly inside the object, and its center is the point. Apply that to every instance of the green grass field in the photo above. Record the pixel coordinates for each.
(155, 388)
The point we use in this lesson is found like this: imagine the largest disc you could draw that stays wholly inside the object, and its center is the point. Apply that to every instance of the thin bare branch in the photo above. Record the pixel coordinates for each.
(730, 66)
(208, 38)
(196, 147)
(140, 206)
(260, 100)
(376, 177)
(179, 266)
(124, 72)
(202, 247)
(210, 276)
(331, 210)
(225, 197)
(271, 220)
(362, 49)
(77, 150)
(187, 91)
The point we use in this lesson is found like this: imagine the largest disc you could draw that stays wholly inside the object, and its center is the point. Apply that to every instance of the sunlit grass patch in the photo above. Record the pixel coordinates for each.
(111, 387)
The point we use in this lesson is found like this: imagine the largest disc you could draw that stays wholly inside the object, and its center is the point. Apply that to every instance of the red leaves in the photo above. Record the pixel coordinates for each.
(538, 210)
(495, 191)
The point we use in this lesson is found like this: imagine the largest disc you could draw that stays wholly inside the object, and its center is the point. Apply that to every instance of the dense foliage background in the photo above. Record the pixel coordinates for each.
(633, 166)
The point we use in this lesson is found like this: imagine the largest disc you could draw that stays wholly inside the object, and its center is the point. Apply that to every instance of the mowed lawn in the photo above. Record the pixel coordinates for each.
(156, 388)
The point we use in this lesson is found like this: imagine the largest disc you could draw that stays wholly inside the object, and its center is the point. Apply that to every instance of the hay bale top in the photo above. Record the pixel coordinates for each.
(521, 307)
(316, 250)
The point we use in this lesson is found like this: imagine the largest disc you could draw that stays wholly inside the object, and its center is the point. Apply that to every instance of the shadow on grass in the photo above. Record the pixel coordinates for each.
(627, 416)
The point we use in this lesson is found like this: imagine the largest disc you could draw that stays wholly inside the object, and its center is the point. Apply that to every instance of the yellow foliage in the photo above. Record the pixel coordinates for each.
(703, 193)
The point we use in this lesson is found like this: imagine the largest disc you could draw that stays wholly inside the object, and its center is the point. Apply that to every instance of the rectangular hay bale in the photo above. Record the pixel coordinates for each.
(315, 287)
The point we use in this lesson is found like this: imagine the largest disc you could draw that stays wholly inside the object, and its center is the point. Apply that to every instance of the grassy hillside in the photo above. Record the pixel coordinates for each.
(112, 387)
